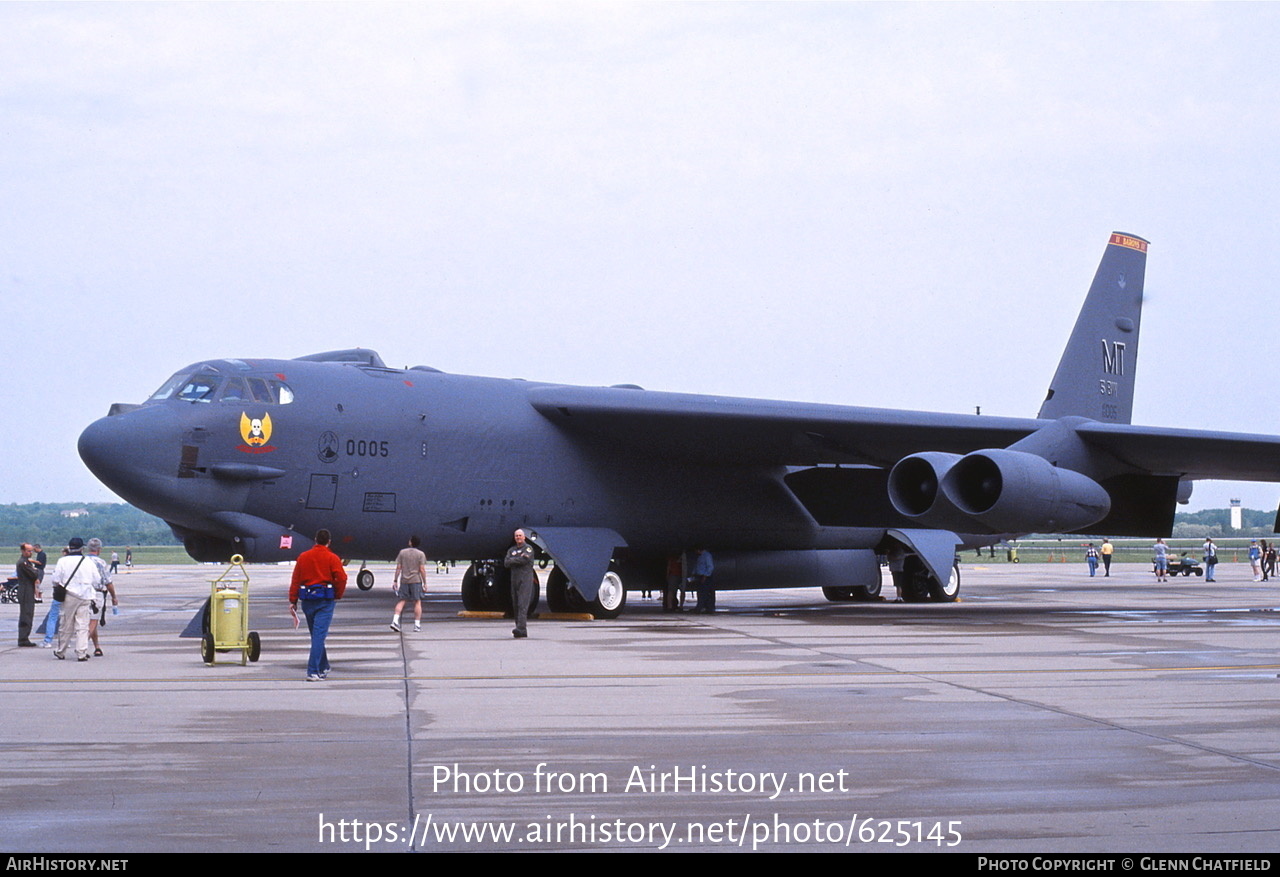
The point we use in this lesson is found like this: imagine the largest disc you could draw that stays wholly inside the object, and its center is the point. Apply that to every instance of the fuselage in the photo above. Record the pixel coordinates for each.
(253, 456)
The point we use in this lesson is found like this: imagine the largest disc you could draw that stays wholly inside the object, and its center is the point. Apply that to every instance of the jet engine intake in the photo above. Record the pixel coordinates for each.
(1016, 492)
(915, 490)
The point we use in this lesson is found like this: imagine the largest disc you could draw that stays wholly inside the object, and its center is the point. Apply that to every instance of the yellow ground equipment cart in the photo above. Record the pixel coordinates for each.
(229, 617)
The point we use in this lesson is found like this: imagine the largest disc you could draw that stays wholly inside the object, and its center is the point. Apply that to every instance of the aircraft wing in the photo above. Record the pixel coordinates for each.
(756, 431)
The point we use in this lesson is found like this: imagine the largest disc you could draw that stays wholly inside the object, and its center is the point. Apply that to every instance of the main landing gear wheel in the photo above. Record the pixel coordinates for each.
(483, 586)
(917, 588)
(558, 592)
(608, 603)
(949, 591)
(924, 588)
(486, 587)
(855, 594)
(364, 579)
(611, 596)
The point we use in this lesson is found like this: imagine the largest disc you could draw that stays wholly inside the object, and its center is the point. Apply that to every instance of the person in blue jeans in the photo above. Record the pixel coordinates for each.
(51, 623)
(55, 607)
(318, 583)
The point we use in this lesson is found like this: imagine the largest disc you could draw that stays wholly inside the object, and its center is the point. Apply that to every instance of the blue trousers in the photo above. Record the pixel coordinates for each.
(319, 615)
(706, 594)
(51, 621)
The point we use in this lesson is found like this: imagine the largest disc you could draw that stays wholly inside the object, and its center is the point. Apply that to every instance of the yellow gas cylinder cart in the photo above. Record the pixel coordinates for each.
(229, 617)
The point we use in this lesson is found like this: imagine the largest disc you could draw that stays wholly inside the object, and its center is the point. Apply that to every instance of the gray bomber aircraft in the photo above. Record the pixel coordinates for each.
(252, 456)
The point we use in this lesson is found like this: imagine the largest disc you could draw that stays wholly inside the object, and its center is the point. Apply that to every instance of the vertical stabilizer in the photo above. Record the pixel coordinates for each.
(1095, 375)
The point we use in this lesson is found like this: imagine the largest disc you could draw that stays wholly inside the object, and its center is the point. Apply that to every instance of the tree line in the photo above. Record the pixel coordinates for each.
(118, 524)
(51, 524)
(1217, 522)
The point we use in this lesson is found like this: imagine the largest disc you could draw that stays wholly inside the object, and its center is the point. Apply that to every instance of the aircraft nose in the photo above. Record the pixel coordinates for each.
(105, 448)
(126, 452)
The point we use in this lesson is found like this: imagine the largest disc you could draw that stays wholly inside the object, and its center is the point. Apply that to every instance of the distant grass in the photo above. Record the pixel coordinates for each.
(145, 555)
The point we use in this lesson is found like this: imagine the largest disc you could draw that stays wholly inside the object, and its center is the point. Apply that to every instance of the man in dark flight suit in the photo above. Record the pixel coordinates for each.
(519, 560)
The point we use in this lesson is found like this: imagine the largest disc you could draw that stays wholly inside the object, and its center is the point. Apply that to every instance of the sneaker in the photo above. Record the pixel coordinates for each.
(312, 677)
(82, 658)
(60, 656)
(324, 675)
(417, 628)
(395, 625)
(519, 634)
(46, 645)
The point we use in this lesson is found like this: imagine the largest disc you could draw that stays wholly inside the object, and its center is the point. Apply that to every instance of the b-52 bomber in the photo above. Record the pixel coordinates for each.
(252, 456)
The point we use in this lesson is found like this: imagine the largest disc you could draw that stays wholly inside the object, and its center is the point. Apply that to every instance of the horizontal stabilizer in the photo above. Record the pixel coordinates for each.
(1187, 453)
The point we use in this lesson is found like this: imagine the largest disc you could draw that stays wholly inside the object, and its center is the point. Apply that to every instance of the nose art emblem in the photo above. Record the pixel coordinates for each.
(256, 432)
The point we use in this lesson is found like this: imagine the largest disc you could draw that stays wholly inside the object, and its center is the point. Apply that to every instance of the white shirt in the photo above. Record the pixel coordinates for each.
(82, 582)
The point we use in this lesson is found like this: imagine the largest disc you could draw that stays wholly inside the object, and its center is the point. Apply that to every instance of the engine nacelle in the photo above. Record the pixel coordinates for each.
(1016, 492)
(915, 490)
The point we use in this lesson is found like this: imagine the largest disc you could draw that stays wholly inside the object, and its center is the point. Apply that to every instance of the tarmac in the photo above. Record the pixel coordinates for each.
(1047, 712)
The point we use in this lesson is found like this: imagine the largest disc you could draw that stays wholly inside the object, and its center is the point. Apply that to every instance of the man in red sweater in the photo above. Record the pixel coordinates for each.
(318, 582)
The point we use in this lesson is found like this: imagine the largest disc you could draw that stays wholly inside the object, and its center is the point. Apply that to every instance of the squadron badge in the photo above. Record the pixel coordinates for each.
(256, 432)
(327, 447)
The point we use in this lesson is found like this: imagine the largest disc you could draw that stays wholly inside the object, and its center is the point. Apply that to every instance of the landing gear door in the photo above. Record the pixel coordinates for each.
(582, 552)
(935, 548)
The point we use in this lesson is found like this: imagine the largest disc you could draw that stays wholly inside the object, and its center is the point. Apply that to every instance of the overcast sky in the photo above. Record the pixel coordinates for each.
(896, 205)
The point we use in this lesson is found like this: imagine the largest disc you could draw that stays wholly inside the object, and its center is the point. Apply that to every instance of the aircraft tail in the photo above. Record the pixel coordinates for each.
(1095, 375)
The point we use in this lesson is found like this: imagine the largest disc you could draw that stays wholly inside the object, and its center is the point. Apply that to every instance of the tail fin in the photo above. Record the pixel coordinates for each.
(1095, 375)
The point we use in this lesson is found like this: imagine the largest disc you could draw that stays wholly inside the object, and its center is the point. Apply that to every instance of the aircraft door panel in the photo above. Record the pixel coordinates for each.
(323, 492)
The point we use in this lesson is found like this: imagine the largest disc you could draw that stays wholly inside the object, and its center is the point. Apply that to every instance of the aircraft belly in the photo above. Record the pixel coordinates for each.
(674, 506)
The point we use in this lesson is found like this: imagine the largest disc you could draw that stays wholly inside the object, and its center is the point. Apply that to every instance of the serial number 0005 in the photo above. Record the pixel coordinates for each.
(901, 832)
(370, 448)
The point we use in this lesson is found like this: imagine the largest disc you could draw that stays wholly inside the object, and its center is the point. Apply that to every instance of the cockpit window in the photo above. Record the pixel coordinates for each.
(203, 385)
(199, 388)
(234, 391)
(269, 392)
(261, 392)
(195, 383)
(167, 388)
